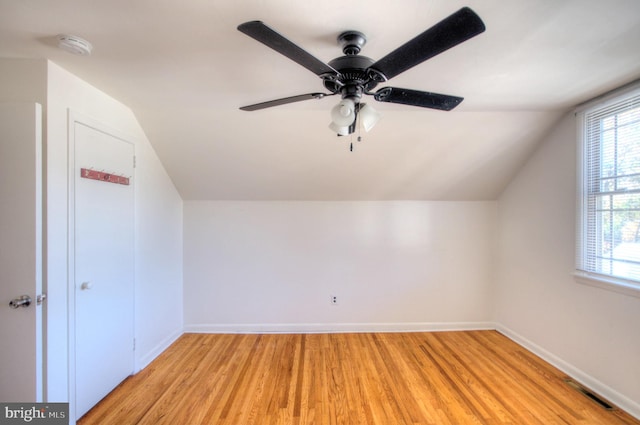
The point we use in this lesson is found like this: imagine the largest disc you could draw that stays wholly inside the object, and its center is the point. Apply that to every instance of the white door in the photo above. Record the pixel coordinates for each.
(103, 215)
(20, 252)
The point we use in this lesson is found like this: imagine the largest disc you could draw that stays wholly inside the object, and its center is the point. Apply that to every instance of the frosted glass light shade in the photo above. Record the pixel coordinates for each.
(344, 113)
(368, 116)
(341, 131)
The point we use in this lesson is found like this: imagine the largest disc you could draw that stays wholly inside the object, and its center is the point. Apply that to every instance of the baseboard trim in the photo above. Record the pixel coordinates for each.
(621, 401)
(142, 362)
(337, 327)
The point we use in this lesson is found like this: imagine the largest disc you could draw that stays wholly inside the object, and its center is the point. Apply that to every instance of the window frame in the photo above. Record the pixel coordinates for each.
(592, 278)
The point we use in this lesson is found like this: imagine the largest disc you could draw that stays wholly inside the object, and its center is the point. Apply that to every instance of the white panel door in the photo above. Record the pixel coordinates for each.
(104, 264)
(20, 252)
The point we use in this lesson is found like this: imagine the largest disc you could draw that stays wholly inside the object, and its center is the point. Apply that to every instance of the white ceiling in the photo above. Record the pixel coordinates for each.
(184, 69)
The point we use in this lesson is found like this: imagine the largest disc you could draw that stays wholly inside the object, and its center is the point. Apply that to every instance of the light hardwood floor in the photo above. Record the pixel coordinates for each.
(478, 377)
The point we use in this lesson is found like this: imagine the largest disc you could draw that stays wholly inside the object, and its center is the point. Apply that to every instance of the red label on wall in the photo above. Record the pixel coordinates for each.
(102, 176)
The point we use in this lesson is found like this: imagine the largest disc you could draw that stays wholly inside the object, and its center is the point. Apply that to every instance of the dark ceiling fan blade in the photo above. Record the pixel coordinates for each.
(261, 32)
(284, 101)
(451, 31)
(417, 98)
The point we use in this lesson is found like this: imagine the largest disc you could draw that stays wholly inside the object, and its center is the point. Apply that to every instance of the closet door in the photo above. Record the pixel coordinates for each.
(103, 233)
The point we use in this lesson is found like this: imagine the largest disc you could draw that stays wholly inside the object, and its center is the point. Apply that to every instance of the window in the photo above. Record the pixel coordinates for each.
(609, 192)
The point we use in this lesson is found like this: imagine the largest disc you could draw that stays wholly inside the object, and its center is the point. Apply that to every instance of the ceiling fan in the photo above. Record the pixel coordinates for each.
(353, 75)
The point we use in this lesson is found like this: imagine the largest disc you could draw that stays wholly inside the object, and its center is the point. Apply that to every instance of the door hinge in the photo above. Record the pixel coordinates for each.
(134, 344)
(134, 161)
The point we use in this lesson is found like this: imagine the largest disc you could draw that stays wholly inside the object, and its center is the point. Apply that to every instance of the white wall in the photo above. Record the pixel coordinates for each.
(23, 80)
(159, 306)
(272, 266)
(590, 332)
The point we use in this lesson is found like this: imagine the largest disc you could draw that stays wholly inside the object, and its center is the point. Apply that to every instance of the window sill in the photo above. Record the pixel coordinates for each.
(610, 283)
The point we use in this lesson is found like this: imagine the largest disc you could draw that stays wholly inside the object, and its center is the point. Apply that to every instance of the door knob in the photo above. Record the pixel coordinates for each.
(86, 286)
(21, 301)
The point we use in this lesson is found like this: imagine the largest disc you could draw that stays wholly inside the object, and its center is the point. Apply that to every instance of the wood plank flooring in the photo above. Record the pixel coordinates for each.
(478, 377)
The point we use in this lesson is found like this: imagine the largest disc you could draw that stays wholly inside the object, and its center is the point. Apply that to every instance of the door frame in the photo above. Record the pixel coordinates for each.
(80, 118)
(29, 171)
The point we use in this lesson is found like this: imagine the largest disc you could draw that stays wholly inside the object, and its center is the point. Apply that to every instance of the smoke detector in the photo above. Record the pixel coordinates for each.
(74, 44)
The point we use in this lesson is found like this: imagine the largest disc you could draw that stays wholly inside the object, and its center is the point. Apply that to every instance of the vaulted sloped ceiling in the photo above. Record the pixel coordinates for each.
(184, 69)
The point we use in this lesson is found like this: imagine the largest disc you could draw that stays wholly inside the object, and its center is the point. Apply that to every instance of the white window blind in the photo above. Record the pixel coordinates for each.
(609, 234)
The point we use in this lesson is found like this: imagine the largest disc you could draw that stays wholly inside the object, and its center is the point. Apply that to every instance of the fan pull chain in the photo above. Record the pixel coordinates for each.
(359, 138)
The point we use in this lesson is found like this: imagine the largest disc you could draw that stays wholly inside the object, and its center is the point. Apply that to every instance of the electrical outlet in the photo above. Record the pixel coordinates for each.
(334, 299)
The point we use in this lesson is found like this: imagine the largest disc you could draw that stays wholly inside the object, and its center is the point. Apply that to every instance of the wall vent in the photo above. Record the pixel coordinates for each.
(588, 393)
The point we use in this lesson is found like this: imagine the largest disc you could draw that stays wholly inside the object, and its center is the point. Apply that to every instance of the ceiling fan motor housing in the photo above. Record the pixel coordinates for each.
(353, 79)
(353, 72)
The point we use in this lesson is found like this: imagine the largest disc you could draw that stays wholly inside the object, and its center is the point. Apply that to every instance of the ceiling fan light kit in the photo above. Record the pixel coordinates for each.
(353, 76)
(347, 116)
